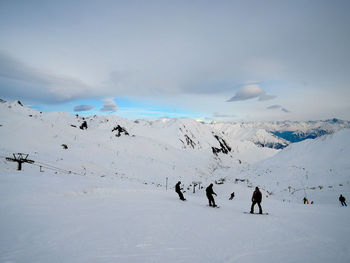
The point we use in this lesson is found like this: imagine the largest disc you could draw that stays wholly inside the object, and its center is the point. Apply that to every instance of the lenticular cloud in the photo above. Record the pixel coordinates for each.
(249, 92)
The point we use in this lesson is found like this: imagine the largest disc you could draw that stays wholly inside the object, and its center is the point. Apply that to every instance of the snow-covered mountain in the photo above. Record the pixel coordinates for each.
(253, 132)
(104, 193)
(299, 131)
(150, 151)
(286, 132)
(111, 144)
(312, 168)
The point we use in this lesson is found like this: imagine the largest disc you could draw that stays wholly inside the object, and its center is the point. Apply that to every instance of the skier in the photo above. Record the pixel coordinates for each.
(210, 192)
(83, 125)
(232, 196)
(342, 200)
(256, 199)
(305, 200)
(178, 191)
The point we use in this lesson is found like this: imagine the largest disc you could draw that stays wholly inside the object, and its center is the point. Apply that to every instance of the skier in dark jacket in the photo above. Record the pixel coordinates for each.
(305, 200)
(256, 199)
(83, 125)
(210, 192)
(232, 196)
(178, 191)
(342, 200)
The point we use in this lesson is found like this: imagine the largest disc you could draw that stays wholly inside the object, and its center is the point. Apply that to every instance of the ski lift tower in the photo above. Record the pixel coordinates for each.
(19, 158)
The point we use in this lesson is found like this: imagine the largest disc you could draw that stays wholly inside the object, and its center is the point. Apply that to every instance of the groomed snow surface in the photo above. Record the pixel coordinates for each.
(48, 217)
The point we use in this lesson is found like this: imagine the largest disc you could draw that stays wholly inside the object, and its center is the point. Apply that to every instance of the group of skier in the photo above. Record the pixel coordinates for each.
(256, 198)
(341, 200)
(306, 201)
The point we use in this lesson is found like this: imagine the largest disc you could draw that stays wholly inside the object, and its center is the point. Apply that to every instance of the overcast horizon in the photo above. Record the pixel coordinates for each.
(206, 60)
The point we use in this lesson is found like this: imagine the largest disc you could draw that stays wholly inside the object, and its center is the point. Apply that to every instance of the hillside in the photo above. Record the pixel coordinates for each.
(175, 149)
(111, 145)
(317, 169)
(105, 193)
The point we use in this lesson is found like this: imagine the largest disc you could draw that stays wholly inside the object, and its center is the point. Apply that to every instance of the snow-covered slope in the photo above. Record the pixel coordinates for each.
(282, 133)
(313, 168)
(111, 145)
(105, 193)
(252, 132)
(47, 217)
(174, 149)
(299, 131)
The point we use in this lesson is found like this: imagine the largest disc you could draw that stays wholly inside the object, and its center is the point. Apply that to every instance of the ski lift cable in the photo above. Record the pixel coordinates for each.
(49, 166)
(57, 169)
(41, 163)
(54, 168)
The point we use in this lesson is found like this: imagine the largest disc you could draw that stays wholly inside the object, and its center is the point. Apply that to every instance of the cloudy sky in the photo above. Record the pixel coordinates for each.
(209, 60)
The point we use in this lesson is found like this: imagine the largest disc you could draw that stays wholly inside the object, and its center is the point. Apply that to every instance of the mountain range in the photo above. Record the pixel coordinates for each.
(150, 151)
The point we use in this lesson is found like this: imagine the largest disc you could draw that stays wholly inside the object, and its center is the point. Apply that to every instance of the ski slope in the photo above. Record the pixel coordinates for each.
(104, 198)
(48, 217)
(318, 169)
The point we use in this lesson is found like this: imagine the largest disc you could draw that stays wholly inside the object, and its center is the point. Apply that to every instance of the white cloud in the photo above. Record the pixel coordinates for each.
(109, 105)
(83, 107)
(285, 110)
(221, 115)
(195, 56)
(251, 91)
(18, 80)
(274, 107)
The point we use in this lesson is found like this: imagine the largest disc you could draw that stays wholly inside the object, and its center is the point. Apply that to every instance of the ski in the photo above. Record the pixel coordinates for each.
(255, 213)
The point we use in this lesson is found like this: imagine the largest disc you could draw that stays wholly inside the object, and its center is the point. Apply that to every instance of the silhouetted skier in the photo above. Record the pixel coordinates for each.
(232, 196)
(83, 125)
(210, 192)
(178, 191)
(256, 199)
(305, 200)
(342, 200)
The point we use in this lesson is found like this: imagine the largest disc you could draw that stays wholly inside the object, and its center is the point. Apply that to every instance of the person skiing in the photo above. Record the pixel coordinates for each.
(342, 200)
(178, 191)
(305, 200)
(232, 196)
(210, 192)
(83, 125)
(256, 199)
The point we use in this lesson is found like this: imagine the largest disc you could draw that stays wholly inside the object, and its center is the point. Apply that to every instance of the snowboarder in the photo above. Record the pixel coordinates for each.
(232, 196)
(342, 200)
(210, 192)
(178, 191)
(256, 199)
